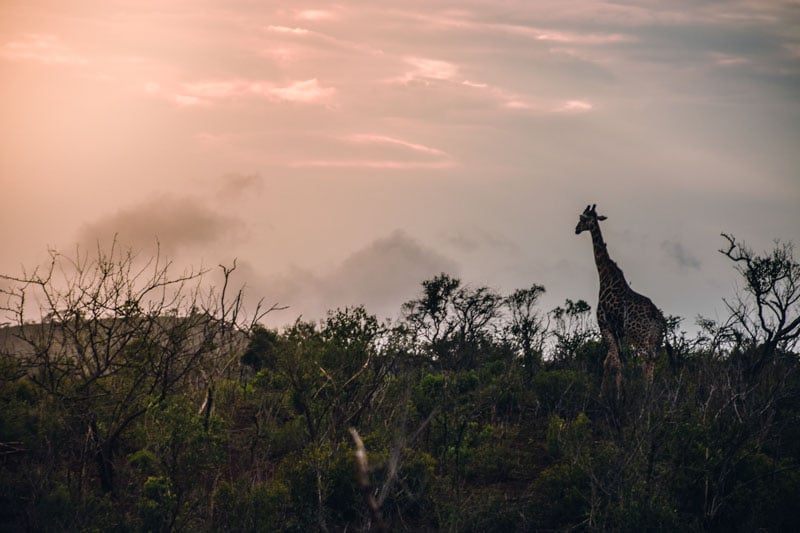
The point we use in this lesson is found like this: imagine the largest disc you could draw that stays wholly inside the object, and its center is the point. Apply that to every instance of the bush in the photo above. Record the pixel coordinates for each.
(157, 505)
(565, 392)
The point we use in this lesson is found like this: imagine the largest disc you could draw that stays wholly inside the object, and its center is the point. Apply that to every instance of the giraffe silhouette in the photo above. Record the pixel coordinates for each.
(624, 316)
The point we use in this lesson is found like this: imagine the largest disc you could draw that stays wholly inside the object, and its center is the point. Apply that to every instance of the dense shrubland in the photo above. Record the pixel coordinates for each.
(142, 402)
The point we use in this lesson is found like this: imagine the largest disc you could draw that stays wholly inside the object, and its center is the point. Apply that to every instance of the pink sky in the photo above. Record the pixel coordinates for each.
(345, 152)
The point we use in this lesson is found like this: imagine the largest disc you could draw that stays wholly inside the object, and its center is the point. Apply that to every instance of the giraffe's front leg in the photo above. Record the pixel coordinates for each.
(612, 367)
(649, 353)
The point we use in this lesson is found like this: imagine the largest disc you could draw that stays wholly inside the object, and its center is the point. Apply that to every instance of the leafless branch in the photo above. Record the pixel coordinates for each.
(362, 471)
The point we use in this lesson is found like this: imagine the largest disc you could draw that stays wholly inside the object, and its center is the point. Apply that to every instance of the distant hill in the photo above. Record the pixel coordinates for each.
(108, 341)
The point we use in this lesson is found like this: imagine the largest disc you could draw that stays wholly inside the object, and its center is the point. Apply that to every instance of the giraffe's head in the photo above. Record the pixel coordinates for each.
(588, 219)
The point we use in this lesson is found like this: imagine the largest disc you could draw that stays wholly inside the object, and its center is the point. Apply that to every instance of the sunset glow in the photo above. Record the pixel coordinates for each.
(295, 136)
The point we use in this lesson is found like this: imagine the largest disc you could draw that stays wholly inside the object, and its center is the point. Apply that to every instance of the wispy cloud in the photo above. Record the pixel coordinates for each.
(467, 21)
(559, 36)
(475, 84)
(180, 99)
(375, 151)
(725, 60)
(383, 139)
(185, 100)
(306, 91)
(286, 49)
(288, 30)
(680, 255)
(203, 93)
(428, 69)
(574, 106)
(516, 102)
(505, 98)
(371, 163)
(42, 48)
(315, 14)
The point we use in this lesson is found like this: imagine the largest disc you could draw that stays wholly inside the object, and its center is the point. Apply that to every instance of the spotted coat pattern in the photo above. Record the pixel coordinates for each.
(624, 316)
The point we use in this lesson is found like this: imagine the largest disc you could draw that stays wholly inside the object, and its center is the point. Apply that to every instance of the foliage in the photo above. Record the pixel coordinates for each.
(142, 404)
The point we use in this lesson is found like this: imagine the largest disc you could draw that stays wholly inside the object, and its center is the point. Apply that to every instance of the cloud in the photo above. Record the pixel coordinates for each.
(174, 222)
(428, 69)
(214, 90)
(306, 92)
(381, 276)
(383, 139)
(206, 92)
(387, 272)
(42, 48)
(466, 21)
(370, 163)
(474, 84)
(498, 95)
(561, 37)
(574, 106)
(516, 102)
(233, 186)
(725, 60)
(315, 14)
(316, 44)
(478, 240)
(288, 30)
(373, 151)
(680, 255)
(183, 100)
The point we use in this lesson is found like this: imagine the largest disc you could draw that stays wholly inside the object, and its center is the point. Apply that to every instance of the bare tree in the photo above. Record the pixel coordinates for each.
(526, 326)
(228, 328)
(748, 374)
(573, 327)
(114, 337)
(765, 314)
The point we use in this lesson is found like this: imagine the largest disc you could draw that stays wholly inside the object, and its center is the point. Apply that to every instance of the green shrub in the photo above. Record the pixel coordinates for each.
(157, 505)
(565, 392)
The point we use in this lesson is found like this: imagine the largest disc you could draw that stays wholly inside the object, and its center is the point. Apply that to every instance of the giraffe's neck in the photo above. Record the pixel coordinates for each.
(610, 274)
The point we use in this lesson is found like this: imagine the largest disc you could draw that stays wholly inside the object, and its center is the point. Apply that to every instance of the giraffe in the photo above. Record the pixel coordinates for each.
(623, 315)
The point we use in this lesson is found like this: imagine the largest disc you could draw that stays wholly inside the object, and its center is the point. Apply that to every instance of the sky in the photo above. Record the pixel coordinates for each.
(343, 152)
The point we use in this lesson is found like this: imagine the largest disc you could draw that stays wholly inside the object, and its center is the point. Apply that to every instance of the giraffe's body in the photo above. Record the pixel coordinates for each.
(624, 316)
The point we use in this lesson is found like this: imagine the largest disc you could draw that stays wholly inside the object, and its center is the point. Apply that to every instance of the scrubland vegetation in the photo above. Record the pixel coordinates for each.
(137, 401)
